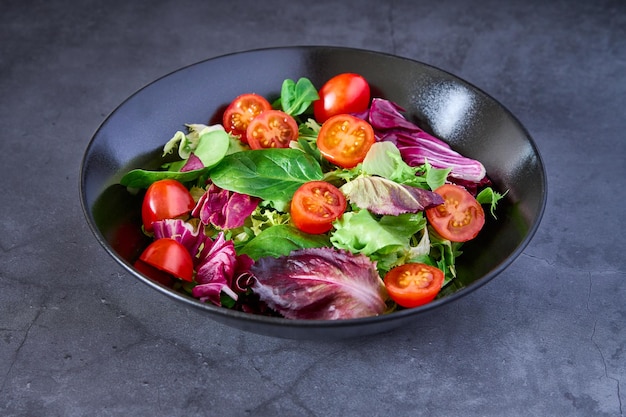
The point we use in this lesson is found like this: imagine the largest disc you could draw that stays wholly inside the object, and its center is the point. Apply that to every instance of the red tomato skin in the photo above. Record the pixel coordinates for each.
(413, 284)
(343, 93)
(315, 205)
(460, 218)
(165, 199)
(345, 148)
(241, 111)
(154, 274)
(169, 256)
(272, 129)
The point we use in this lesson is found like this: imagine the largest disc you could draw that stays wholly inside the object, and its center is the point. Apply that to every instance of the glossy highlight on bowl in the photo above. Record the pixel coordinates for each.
(471, 121)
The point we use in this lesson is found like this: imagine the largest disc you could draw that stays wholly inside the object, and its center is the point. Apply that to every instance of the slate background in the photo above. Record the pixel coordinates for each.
(79, 336)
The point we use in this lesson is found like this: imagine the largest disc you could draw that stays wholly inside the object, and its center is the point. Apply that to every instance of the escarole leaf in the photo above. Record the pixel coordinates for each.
(382, 196)
(269, 174)
(320, 284)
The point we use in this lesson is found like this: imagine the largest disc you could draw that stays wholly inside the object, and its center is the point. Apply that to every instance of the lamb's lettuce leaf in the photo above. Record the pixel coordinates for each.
(297, 97)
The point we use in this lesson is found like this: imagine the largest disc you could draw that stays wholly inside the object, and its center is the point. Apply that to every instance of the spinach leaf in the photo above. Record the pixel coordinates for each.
(140, 178)
(269, 174)
(281, 240)
(296, 97)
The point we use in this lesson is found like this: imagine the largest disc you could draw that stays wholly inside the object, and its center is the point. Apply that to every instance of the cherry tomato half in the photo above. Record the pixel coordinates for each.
(272, 129)
(315, 205)
(344, 140)
(241, 111)
(413, 284)
(165, 199)
(169, 256)
(460, 217)
(344, 93)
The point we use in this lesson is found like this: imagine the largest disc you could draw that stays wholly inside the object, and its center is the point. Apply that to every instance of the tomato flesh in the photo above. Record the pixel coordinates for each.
(272, 129)
(345, 140)
(165, 199)
(315, 205)
(343, 93)
(241, 111)
(460, 218)
(169, 256)
(413, 284)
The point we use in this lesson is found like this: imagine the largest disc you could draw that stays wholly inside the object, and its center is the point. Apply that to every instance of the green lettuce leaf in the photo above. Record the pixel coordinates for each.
(491, 197)
(386, 240)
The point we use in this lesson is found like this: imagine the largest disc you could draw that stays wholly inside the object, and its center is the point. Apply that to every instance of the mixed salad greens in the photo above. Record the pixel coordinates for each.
(325, 204)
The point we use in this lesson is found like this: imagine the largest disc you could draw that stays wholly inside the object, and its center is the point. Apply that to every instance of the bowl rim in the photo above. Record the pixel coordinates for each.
(252, 319)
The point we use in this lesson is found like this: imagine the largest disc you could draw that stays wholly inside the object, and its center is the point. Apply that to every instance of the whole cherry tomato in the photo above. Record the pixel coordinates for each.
(343, 93)
(165, 199)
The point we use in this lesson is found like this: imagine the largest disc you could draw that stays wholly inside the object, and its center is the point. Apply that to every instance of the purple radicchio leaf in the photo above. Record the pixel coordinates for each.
(382, 196)
(224, 209)
(193, 163)
(418, 146)
(320, 284)
(182, 232)
(216, 270)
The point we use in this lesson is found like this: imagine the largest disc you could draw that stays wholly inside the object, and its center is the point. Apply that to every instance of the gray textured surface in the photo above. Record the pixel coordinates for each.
(78, 336)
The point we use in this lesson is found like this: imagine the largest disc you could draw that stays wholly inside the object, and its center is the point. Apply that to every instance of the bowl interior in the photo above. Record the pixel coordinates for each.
(472, 122)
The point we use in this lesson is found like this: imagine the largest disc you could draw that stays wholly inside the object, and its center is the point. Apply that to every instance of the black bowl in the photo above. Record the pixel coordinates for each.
(471, 121)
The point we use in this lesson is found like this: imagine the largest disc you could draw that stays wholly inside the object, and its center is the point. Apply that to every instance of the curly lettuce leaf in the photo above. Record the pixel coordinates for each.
(320, 284)
(491, 197)
(387, 240)
(382, 196)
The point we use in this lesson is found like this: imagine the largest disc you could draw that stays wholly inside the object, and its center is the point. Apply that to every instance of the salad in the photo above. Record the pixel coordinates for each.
(323, 204)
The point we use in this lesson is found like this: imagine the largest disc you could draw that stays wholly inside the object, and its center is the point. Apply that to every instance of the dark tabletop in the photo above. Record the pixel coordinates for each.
(81, 337)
